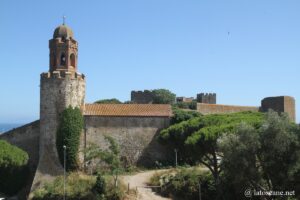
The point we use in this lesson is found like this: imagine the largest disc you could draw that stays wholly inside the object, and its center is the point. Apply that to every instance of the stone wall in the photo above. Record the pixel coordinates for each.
(27, 138)
(280, 104)
(136, 136)
(184, 99)
(142, 97)
(218, 108)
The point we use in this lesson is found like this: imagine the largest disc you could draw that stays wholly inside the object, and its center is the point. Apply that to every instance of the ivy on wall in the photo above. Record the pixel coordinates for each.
(68, 134)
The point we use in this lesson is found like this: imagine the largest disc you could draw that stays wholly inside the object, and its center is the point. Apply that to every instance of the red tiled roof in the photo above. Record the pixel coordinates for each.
(138, 110)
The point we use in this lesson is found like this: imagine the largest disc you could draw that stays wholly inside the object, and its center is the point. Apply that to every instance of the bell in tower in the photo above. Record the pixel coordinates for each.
(63, 50)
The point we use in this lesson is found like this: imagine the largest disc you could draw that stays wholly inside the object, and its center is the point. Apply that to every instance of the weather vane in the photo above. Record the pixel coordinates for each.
(64, 20)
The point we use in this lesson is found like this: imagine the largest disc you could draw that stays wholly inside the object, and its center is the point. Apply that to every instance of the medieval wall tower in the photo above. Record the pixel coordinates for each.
(62, 86)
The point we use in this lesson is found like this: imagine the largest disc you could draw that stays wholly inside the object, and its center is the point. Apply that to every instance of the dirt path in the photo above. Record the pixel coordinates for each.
(139, 181)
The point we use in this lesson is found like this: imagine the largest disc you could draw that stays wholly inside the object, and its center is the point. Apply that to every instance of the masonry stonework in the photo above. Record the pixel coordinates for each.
(142, 97)
(136, 136)
(58, 91)
(218, 108)
(208, 98)
(280, 104)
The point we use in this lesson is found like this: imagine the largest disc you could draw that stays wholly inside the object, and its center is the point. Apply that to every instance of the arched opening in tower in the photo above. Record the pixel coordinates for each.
(72, 58)
(63, 59)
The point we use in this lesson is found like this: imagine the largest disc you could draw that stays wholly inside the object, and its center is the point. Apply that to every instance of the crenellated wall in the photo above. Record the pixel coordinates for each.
(208, 98)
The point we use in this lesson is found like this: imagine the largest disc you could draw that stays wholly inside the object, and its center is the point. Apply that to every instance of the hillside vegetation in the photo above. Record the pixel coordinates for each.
(246, 150)
(13, 168)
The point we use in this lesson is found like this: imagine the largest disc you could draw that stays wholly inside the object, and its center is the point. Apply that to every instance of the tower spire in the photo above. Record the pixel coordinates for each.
(64, 20)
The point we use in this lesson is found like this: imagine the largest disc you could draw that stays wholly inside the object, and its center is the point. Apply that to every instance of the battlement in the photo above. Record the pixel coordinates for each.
(142, 97)
(63, 75)
(209, 98)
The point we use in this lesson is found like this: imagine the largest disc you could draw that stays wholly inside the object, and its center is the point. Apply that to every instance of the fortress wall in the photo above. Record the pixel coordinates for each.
(217, 108)
(135, 135)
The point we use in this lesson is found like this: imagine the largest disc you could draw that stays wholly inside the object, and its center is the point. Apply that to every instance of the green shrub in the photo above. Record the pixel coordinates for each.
(100, 186)
(163, 96)
(13, 168)
(184, 184)
(182, 115)
(187, 105)
(68, 134)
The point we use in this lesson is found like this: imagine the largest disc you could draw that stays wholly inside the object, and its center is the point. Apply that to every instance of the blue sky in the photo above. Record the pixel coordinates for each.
(242, 50)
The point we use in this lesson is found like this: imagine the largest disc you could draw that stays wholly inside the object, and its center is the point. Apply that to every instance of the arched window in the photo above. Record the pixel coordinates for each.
(72, 58)
(62, 59)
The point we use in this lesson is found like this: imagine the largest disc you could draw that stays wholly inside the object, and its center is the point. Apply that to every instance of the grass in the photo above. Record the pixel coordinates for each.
(79, 186)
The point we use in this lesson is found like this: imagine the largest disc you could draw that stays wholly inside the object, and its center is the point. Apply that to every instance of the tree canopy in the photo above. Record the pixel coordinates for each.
(242, 150)
(163, 96)
(197, 138)
(266, 159)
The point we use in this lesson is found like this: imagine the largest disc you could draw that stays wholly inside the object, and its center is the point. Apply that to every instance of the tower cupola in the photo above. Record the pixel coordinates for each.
(63, 31)
(63, 50)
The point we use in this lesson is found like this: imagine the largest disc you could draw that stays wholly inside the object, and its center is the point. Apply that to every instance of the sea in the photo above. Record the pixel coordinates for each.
(6, 127)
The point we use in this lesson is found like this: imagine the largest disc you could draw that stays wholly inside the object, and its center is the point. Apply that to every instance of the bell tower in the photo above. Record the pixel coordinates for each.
(62, 86)
(63, 50)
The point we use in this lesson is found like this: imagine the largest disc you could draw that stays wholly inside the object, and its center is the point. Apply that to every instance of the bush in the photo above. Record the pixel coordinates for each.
(13, 168)
(68, 134)
(100, 186)
(182, 115)
(185, 184)
(163, 96)
(187, 105)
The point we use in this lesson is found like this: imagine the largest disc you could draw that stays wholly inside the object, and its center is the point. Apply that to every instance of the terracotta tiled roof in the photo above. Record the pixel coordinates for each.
(138, 110)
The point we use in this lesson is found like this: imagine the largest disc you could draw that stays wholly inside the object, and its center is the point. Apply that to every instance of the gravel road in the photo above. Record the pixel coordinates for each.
(139, 181)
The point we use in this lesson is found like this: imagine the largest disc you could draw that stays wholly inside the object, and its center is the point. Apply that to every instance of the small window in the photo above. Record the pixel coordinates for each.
(62, 59)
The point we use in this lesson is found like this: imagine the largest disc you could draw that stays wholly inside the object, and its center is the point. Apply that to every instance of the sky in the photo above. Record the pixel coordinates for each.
(242, 50)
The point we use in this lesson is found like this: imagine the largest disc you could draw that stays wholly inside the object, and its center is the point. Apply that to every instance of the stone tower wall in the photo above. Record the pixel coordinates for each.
(58, 90)
(209, 98)
(280, 104)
